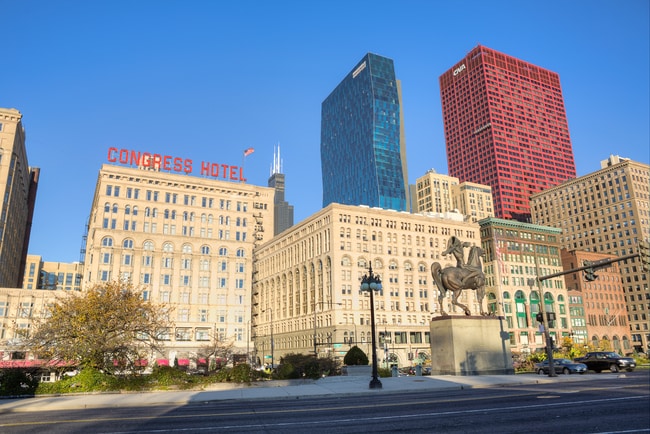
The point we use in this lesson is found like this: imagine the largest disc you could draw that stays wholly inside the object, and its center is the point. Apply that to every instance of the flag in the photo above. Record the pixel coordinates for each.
(248, 151)
(498, 252)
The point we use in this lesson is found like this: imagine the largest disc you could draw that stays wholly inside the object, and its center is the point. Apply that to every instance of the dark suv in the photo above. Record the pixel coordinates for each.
(601, 360)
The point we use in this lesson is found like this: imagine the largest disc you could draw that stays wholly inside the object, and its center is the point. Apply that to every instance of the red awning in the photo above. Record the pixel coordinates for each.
(33, 363)
(183, 362)
(162, 362)
(142, 362)
(202, 362)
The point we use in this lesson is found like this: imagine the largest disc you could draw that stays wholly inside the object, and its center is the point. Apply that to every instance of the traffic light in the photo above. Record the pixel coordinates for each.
(644, 254)
(590, 274)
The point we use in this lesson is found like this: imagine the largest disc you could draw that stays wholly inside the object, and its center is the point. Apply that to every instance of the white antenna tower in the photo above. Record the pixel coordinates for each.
(276, 167)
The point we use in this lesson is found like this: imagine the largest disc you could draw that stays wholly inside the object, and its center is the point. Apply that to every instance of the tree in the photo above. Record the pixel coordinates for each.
(217, 348)
(355, 356)
(108, 327)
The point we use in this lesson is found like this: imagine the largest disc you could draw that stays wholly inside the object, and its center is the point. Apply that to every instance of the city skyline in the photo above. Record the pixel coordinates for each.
(206, 83)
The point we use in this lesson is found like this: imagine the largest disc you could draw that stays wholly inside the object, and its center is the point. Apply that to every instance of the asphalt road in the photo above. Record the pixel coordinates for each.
(618, 404)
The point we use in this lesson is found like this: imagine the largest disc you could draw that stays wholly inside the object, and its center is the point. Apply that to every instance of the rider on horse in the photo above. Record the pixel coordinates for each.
(456, 247)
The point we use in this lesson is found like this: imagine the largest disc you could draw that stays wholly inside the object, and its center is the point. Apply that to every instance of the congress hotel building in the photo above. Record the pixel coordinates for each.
(505, 126)
(188, 242)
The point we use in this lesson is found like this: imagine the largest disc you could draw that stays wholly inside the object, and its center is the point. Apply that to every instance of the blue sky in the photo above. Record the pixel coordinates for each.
(207, 79)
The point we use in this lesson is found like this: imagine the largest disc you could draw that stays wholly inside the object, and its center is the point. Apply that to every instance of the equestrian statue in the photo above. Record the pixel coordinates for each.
(463, 276)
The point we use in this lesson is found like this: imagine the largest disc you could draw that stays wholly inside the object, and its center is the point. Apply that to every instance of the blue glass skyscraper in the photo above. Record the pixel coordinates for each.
(363, 156)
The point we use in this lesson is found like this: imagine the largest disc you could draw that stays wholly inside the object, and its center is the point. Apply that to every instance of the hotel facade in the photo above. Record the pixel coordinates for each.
(306, 293)
(188, 242)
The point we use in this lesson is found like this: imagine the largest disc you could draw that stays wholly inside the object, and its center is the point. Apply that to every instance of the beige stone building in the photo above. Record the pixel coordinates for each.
(442, 193)
(516, 254)
(18, 184)
(307, 297)
(41, 274)
(188, 242)
(607, 211)
(600, 319)
(18, 308)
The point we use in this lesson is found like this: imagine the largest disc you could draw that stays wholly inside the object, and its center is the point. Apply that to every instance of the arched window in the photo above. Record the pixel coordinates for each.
(223, 251)
(492, 303)
(241, 253)
(148, 246)
(168, 247)
(135, 210)
(115, 208)
(520, 305)
(147, 212)
(107, 242)
(127, 210)
(107, 207)
(205, 250)
(127, 243)
(187, 248)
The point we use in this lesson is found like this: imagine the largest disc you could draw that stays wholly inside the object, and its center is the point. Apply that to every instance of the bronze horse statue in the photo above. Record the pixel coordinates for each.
(455, 279)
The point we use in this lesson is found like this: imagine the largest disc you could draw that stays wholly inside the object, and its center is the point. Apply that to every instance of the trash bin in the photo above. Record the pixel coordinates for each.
(418, 370)
(394, 372)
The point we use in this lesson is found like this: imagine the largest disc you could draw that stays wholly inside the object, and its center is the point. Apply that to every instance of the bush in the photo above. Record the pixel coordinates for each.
(87, 380)
(293, 366)
(15, 381)
(355, 356)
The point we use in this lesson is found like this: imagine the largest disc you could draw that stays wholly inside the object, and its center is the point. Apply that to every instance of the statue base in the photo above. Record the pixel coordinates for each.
(470, 345)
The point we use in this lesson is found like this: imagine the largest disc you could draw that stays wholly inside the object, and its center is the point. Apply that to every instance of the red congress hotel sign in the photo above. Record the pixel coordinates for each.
(174, 164)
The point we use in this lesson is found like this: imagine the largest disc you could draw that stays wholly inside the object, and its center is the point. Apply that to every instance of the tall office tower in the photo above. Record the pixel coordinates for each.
(363, 151)
(442, 193)
(187, 241)
(607, 212)
(18, 185)
(283, 212)
(506, 127)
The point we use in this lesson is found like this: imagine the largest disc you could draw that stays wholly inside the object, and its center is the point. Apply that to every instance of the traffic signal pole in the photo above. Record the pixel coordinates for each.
(591, 266)
(589, 269)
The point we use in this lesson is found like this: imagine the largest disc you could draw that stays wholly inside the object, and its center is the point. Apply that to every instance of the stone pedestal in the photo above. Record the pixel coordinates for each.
(472, 345)
(357, 370)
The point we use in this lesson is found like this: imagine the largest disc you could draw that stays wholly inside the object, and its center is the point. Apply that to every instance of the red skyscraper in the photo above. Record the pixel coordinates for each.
(506, 127)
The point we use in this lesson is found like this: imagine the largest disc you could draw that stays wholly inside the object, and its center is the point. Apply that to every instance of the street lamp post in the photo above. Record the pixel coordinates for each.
(545, 324)
(317, 303)
(272, 344)
(371, 284)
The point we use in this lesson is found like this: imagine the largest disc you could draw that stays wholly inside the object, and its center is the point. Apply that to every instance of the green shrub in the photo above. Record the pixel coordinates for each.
(384, 372)
(241, 373)
(355, 356)
(15, 382)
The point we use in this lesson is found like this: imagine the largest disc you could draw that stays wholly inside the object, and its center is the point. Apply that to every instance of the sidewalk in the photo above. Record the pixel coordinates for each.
(279, 389)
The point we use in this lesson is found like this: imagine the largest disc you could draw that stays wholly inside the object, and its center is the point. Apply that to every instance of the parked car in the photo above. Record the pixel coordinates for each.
(601, 360)
(561, 366)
